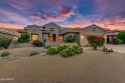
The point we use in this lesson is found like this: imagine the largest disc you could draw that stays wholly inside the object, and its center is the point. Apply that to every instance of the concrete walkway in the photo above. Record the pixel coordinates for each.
(116, 48)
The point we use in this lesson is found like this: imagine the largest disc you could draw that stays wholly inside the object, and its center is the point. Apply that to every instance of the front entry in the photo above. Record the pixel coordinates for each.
(52, 37)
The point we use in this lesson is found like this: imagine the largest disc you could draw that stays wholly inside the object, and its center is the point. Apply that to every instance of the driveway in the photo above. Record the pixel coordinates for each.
(116, 48)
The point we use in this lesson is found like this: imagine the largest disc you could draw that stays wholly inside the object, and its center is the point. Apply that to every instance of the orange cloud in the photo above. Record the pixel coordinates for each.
(5, 25)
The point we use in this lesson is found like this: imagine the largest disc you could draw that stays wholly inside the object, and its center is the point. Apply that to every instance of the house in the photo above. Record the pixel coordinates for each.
(53, 33)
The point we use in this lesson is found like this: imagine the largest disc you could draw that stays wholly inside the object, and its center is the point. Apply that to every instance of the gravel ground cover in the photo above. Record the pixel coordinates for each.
(89, 67)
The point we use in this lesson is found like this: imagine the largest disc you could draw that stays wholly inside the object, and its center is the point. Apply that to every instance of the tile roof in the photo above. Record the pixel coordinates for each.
(68, 30)
(51, 23)
(102, 29)
(21, 30)
(64, 30)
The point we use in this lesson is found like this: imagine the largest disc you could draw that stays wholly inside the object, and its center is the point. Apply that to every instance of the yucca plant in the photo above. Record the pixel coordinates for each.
(5, 40)
(34, 52)
(5, 53)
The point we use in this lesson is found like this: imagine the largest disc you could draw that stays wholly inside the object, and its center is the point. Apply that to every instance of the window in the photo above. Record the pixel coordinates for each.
(61, 38)
(43, 27)
(52, 29)
(82, 36)
(93, 29)
(43, 30)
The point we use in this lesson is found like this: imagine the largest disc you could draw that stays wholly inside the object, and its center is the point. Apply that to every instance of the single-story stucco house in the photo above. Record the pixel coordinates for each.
(54, 33)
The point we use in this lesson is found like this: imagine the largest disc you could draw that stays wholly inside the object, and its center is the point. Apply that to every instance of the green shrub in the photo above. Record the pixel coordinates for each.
(77, 49)
(5, 53)
(76, 46)
(37, 43)
(52, 51)
(121, 36)
(61, 48)
(47, 47)
(24, 38)
(34, 52)
(70, 38)
(67, 52)
(96, 41)
(5, 41)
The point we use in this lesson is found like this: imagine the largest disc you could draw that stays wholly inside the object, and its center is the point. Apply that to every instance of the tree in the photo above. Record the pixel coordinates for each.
(24, 38)
(115, 40)
(71, 38)
(5, 40)
(121, 36)
(95, 41)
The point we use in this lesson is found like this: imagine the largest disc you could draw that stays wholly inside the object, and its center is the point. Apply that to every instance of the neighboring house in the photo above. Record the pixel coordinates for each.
(112, 34)
(53, 33)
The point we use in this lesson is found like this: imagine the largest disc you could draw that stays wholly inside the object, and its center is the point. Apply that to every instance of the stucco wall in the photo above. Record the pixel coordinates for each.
(89, 30)
(49, 26)
(45, 36)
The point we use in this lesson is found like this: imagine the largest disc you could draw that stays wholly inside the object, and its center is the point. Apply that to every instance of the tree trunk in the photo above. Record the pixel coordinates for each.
(95, 48)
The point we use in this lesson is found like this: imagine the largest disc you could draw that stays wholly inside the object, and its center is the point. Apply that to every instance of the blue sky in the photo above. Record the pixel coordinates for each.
(68, 13)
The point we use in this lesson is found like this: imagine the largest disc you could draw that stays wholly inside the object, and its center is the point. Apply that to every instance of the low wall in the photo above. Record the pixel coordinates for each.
(21, 45)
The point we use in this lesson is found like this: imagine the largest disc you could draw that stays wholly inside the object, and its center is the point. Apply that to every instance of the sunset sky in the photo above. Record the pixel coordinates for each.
(68, 13)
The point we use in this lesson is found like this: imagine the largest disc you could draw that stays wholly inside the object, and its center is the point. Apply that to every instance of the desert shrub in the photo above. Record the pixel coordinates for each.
(77, 49)
(76, 46)
(34, 52)
(67, 52)
(121, 36)
(61, 47)
(95, 41)
(5, 41)
(5, 53)
(37, 43)
(52, 51)
(104, 49)
(24, 38)
(47, 47)
(107, 50)
(115, 40)
(70, 38)
(110, 50)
